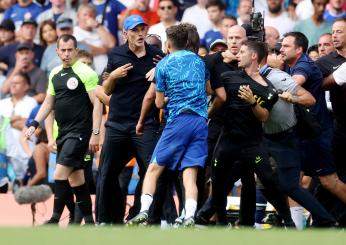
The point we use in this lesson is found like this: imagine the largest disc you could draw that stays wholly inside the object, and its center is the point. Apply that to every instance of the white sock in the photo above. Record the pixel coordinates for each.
(297, 214)
(146, 200)
(190, 208)
(182, 216)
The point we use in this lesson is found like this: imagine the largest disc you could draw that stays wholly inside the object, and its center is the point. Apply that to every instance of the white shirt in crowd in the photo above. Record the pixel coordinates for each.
(92, 38)
(261, 6)
(160, 29)
(199, 17)
(304, 9)
(23, 108)
(282, 23)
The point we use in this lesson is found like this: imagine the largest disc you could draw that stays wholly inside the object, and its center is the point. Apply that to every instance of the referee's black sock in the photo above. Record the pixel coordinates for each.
(62, 188)
(84, 202)
(70, 204)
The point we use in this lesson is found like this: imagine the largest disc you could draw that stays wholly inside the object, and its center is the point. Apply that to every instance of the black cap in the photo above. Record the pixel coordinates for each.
(216, 42)
(8, 25)
(277, 47)
(22, 46)
(30, 22)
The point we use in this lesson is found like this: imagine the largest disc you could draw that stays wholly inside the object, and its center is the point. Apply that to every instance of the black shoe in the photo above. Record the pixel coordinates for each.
(200, 220)
(272, 219)
(289, 225)
(71, 220)
(328, 224)
(51, 221)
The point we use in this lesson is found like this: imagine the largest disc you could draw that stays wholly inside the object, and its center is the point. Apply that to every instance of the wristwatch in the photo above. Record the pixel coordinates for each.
(96, 131)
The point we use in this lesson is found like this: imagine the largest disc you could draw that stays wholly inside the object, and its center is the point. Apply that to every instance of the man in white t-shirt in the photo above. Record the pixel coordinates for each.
(304, 9)
(198, 15)
(16, 110)
(58, 10)
(277, 17)
(95, 35)
(244, 11)
(167, 12)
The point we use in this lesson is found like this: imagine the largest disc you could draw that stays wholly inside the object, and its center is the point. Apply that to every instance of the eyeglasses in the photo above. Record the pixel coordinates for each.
(166, 7)
(154, 35)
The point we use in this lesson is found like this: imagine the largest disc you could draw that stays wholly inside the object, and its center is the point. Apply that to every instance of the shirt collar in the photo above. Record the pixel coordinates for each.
(263, 69)
(335, 54)
(148, 49)
(303, 57)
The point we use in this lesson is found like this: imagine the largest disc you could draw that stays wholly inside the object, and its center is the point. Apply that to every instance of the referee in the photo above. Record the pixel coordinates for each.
(71, 93)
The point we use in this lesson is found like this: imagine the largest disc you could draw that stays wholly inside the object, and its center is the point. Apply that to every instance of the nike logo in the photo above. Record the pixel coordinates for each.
(336, 67)
(87, 158)
(215, 162)
(258, 159)
(63, 74)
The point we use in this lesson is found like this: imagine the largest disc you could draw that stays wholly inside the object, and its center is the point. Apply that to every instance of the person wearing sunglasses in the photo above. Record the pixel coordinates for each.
(167, 12)
(141, 8)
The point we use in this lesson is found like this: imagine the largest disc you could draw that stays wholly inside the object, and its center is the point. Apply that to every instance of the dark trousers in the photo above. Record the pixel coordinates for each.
(214, 131)
(120, 145)
(254, 159)
(338, 148)
(283, 147)
(208, 209)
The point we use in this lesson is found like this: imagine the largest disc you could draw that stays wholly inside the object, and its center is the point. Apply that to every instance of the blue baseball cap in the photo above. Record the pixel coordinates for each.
(132, 21)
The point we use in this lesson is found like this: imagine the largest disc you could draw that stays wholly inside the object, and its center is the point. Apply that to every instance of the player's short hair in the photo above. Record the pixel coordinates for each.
(24, 76)
(340, 19)
(230, 17)
(260, 48)
(178, 35)
(88, 6)
(65, 38)
(84, 53)
(220, 4)
(300, 40)
(193, 40)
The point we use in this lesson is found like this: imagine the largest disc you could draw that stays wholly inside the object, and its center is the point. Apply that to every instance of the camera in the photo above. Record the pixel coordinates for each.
(255, 30)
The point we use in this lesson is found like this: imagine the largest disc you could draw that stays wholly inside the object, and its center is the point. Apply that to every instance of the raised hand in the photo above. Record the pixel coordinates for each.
(121, 71)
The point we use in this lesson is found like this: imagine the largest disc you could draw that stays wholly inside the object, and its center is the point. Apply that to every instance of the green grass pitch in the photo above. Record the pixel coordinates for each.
(151, 236)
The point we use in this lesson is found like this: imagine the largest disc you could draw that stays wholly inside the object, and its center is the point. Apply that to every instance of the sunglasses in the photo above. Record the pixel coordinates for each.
(154, 35)
(166, 7)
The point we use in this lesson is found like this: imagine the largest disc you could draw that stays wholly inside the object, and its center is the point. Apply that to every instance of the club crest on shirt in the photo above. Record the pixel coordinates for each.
(72, 83)
(27, 16)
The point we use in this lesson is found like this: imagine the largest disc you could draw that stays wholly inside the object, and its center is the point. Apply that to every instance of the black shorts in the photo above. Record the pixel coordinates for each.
(73, 150)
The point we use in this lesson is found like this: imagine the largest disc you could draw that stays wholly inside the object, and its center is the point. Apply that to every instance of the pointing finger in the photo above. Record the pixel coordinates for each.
(127, 66)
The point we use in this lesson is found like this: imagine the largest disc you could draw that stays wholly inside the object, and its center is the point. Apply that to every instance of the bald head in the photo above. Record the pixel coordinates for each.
(235, 37)
(272, 36)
